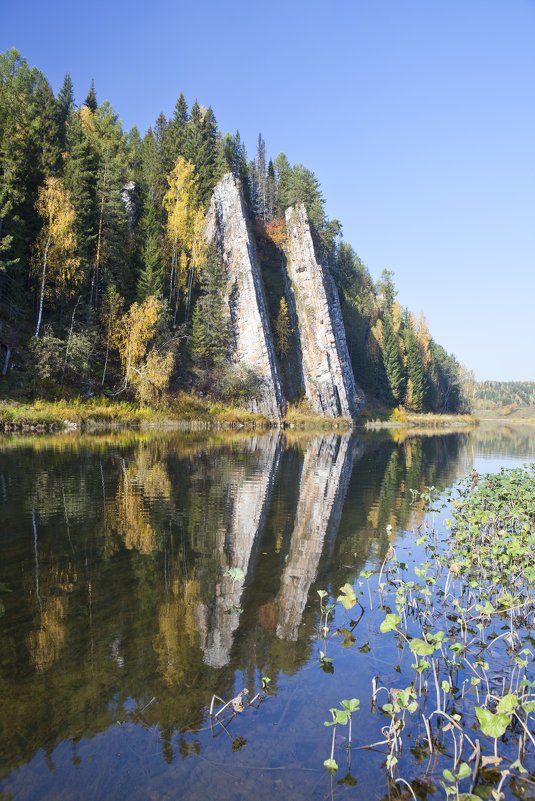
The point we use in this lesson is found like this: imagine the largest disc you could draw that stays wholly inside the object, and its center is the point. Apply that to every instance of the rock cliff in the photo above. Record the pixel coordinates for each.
(315, 308)
(226, 225)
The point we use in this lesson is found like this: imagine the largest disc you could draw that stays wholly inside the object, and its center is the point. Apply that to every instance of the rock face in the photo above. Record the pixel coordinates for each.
(317, 318)
(253, 348)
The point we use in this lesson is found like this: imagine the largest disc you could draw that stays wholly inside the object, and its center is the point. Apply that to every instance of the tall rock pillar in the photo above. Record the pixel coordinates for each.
(226, 225)
(327, 372)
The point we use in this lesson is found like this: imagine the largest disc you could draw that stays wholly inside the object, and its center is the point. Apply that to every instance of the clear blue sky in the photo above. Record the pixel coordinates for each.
(417, 116)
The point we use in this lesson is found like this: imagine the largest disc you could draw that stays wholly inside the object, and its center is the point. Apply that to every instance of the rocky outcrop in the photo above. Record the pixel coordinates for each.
(313, 300)
(253, 348)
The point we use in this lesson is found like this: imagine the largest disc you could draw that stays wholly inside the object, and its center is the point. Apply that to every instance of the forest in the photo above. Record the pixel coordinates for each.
(108, 288)
(499, 394)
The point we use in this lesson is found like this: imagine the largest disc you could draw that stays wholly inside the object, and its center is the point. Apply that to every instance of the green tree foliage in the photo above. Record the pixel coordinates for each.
(210, 341)
(415, 377)
(135, 236)
(91, 99)
(498, 394)
(392, 362)
(150, 281)
(283, 329)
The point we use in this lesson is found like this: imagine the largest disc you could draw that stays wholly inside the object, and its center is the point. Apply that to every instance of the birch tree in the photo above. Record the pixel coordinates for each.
(186, 250)
(56, 243)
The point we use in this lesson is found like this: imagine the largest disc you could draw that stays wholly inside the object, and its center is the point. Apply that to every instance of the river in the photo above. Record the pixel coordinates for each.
(118, 624)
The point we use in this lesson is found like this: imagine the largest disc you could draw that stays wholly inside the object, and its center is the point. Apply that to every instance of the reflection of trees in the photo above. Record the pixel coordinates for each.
(496, 439)
(322, 486)
(120, 595)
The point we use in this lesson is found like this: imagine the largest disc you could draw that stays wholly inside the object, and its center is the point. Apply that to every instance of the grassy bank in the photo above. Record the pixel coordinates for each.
(381, 417)
(185, 411)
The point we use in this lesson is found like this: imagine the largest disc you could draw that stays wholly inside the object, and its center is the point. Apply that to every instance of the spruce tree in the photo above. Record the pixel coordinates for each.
(261, 179)
(210, 340)
(150, 281)
(178, 129)
(91, 99)
(206, 156)
(65, 106)
(392, 362)
(415, 375)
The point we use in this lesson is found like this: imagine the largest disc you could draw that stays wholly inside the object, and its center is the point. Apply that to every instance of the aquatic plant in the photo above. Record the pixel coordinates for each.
(466, 618)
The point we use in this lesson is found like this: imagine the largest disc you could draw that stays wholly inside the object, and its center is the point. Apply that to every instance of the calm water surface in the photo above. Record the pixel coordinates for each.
(118, 625)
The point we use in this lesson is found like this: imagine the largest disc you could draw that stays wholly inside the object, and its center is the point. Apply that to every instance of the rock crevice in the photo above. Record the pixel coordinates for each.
(327, 372)
(322, 363)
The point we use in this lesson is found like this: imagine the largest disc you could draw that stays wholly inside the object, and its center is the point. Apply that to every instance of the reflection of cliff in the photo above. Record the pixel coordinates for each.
(323, 484)
(235, 547)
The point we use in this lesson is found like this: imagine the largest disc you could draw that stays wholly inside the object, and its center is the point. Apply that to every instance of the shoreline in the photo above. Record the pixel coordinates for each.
(189, 413)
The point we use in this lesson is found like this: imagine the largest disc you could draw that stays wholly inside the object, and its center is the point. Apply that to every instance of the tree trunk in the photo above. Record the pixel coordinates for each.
(6, 360)
(69, 340)
(42, 288)
(107, 350)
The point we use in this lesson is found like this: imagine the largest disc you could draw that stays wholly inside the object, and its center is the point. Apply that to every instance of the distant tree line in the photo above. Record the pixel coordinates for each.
(106, 282)
(498, 394)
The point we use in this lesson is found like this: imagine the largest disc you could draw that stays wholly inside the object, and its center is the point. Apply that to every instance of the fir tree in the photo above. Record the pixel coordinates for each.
(178, 128)
(392, 362)
(261, 179)
(415, 377)
(65, 106)
(150, 280)
(91, 99)
(283, 329)
(210, 341)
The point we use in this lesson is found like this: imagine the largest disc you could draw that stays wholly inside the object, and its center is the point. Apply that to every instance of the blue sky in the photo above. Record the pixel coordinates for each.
(417, 116)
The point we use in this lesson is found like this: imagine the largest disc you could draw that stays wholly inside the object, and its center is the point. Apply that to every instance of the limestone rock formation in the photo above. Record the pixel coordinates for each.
(253, 348)
(315, 307)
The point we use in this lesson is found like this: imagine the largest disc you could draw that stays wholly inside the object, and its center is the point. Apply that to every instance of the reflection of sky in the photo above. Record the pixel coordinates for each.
(286, 738)
(493, 464)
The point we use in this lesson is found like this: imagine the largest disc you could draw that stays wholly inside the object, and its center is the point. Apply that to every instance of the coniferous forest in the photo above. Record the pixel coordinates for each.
(107, 286)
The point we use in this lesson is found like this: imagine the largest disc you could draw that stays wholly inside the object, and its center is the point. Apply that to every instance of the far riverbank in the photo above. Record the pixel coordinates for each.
(189, 412)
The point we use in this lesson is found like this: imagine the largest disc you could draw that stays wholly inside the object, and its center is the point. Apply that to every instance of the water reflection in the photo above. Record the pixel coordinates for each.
(323, 480)
(114, 607)
(236, 544)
